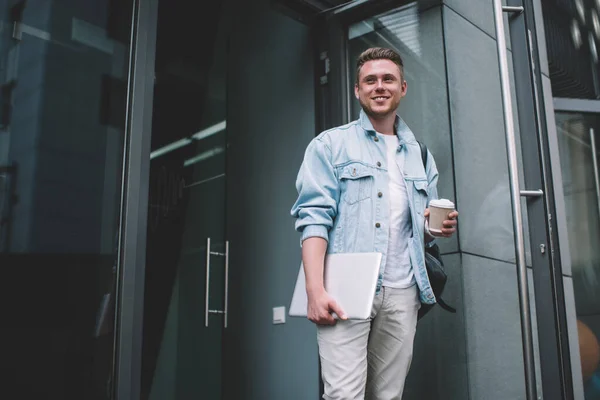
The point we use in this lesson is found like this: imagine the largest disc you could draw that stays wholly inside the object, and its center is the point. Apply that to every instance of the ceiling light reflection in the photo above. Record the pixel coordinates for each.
(596, 23)
(593, 48)
(580, 9)
(203, 156)
(203, 134)
(576, 34)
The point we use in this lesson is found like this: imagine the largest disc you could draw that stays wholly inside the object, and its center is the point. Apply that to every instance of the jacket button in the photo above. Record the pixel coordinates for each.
(378, 225)
(379, 194)
(378, 164)
(376, 139)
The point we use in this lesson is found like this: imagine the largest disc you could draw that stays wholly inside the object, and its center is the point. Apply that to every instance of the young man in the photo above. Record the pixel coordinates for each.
(362, 187)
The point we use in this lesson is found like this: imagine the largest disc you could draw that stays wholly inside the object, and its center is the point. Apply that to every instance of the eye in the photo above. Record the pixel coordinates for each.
(370, 80)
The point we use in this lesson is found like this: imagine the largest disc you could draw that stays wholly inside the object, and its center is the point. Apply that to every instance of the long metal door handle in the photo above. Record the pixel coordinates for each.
(226, 306)
(207, 290)
(207, 310)
(526, 329)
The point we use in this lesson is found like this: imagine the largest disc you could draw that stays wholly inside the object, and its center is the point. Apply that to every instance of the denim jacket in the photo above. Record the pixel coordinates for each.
(343, 193)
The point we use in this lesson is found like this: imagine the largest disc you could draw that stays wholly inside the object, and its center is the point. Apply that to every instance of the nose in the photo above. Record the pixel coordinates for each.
(379, 84)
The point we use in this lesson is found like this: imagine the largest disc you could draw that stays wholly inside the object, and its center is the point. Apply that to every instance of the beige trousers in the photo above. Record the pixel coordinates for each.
(370, 359)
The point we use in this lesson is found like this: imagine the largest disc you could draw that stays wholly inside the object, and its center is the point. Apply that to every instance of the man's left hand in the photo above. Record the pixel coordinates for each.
(449, 225)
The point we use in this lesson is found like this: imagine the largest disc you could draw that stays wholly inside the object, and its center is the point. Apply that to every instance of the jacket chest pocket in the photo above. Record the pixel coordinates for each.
(420, 194)
(356, 182)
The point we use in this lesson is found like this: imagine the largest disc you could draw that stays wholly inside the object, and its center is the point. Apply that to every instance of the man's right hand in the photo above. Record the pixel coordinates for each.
(320, 304)
(320, 307)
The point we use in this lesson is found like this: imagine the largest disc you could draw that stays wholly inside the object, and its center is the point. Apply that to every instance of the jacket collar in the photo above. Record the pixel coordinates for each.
(402, 130)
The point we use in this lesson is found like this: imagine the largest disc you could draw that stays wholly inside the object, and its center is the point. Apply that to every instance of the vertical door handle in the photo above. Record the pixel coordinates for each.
(207, 310)
(525, 311)
(207, 290)
(226, 307)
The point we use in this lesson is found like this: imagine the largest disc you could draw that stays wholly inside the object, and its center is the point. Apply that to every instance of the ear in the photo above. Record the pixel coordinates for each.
(404, 88)
(356, 90)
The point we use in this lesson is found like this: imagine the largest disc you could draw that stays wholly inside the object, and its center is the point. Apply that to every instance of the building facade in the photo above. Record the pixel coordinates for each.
(148, 155)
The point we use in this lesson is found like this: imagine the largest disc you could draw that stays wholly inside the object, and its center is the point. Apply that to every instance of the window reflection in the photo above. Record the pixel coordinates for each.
(578, 136)
(572, 30)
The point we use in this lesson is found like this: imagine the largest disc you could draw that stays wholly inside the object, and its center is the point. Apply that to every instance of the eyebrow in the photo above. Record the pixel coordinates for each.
(385, 76)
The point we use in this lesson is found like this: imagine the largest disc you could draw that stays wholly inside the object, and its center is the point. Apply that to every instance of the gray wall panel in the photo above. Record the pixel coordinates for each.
(479, 143)
(439, 368)
(270, 122)
(494, 346)
(481, 14)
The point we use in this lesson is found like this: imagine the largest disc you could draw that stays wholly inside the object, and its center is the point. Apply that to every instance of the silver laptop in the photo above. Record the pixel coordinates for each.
(350, 278)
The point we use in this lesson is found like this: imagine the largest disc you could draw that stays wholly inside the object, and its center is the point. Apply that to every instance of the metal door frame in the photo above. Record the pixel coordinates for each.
(577, 105)
(332, 65)
(555, 361)
(134, 204)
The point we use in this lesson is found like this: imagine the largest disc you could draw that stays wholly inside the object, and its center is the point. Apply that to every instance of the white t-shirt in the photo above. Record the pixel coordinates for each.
(398, 270)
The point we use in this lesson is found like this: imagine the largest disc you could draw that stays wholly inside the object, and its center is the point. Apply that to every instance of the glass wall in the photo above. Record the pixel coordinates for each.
(578, 137)
(63, 84)
(572, 34)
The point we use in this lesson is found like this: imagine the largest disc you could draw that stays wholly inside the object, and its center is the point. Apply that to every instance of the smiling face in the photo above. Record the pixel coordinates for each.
(380, 88)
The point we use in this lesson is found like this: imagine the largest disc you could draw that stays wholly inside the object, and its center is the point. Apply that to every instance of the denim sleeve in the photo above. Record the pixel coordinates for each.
(318, 192)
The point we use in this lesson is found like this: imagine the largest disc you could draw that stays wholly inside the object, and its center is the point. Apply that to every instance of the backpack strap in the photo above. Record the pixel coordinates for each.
(445, 306)
(423, 154)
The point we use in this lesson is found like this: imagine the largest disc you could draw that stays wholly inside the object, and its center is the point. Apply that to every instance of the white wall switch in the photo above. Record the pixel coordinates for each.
(278, 315)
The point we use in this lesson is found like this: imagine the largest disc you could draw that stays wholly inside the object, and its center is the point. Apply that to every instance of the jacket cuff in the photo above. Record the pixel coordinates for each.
(429, 238)
(314, 231)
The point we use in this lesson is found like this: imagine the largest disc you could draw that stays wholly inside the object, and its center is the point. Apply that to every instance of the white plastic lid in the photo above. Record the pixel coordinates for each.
(442, 203)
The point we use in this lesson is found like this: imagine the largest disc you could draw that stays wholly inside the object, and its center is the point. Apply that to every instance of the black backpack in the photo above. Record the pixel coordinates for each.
(434, 265)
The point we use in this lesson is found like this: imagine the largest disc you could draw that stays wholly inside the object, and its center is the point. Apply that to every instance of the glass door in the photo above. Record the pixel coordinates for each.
(187, 251)
(476, 106)
(578, 137)
(64, 91)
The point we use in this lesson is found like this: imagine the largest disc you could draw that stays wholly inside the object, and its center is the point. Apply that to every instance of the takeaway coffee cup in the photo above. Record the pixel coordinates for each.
(438, 213)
